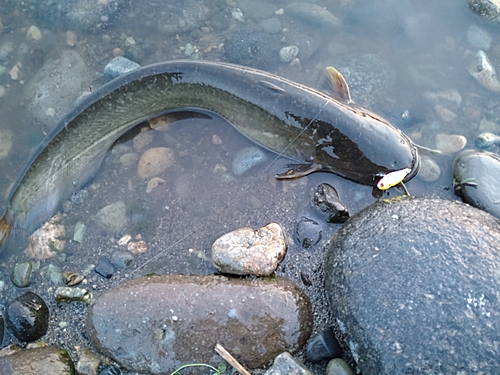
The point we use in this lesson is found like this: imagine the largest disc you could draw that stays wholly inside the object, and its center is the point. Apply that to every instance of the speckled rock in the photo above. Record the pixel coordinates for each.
(46, 241)
(41, 360)
(250, 252)
(286, 364)
(482, 169)
(119, 66)
(488, 9)
(27, 317)
(155, 324)
(412, 283)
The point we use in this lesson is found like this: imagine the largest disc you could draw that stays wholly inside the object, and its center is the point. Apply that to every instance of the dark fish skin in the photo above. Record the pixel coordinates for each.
(303, 124)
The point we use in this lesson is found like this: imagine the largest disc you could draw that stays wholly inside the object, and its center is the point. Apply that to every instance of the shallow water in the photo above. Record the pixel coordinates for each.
(414, 47)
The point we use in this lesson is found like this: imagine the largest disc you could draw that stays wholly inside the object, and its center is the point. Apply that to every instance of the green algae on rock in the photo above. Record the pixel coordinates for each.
(156, 324)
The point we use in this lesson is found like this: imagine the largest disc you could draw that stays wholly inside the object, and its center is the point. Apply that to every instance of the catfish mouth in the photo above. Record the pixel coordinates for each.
(415, 165)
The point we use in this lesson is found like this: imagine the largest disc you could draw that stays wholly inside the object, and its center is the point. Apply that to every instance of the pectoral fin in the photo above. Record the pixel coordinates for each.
(298, 170)
(335, 85)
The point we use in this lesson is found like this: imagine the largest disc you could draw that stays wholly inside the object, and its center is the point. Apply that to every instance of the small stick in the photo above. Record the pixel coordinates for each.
(231, 360)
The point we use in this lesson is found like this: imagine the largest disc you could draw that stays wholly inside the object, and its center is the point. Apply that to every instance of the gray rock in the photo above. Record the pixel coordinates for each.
(105, 268)
(338, 366)
(314, 15)
(113, 216)
(478, 38)
(79, 232)
(250, 252)
(429, 170)
(155, 324)
(247, 158)
(6, 50)
(21, 274)
(255, 49)
(79, 15)
(413, 285)
(323, 345)
(286, 364)
(488, 9)
(271, 25)
(119, 66)
(477, 179)
(257, 10)
(122, 259)
(288, 53)
(54, 88)
(88, 363)
(41, 360)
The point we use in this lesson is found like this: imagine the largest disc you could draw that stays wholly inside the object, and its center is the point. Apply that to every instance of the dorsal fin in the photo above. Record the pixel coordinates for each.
(335, 85)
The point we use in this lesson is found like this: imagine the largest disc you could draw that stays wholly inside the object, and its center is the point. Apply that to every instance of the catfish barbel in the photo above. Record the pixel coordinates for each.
(316, 130)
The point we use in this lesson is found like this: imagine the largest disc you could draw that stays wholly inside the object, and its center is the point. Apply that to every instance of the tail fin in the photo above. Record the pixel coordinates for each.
(4, 231)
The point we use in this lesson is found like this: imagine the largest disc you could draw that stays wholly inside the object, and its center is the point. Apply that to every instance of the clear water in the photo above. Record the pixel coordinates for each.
(419, 45)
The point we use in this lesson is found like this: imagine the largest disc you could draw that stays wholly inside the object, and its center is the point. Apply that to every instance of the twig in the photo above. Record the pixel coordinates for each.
(231, 360)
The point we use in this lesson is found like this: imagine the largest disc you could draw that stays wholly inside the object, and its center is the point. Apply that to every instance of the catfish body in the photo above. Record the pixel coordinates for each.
(303, 124)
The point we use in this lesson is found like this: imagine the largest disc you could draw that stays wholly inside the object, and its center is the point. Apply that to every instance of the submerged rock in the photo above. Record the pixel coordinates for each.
(477, 179)
(41, 360)
(155, 324)
(413, 284)
(286, 364)
(488, 9)
(314, 15)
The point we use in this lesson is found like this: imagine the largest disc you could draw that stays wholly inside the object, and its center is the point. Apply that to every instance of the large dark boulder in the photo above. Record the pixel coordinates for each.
(413, 284)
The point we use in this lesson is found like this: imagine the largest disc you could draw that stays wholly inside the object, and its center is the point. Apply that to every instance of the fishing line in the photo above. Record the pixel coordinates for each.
(243, 190)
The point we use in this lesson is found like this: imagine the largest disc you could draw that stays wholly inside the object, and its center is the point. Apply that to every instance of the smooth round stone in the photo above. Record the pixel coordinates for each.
(429, 170)
(21, 274)
(156, 324)
(482, 168)
(416, 279)
(105, 268)
(122, 259)
(113, 216)
(450, 143)
(314, 15)
(27, 317)
(36, 361)
(271, 25)
(247, 158)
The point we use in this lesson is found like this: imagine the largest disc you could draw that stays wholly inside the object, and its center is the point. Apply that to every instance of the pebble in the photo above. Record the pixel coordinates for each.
(154, 183)
(435, 262)
(138, 247)
(88, 363)
(79, 233)
(6, 49)
(256, 49)
(54, 273)
(113, 216)
(35, 361)
(47, 240)
(237, 15)
(450, 143)
(323, 345)
(155, 161)
(119, 66)
(246, 251)
(14, 73)
(478, 38)
(445, 114)
(5, 143)
(313, 15)
(71, 278)
(67, 294)
(247, 158)
(122, 259)
(307, 232)
(271, 25)
(34, 34)
(105, 268)
(129, 159)
(21, 274)
(71, 38)
(338, 366)
(429, 170)
(188, 49)
(479, 67)
(151, 315)
(450, 98)
(27, 317)
(288, 53)
(486, 141)
(285, 363)
(326, 200)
